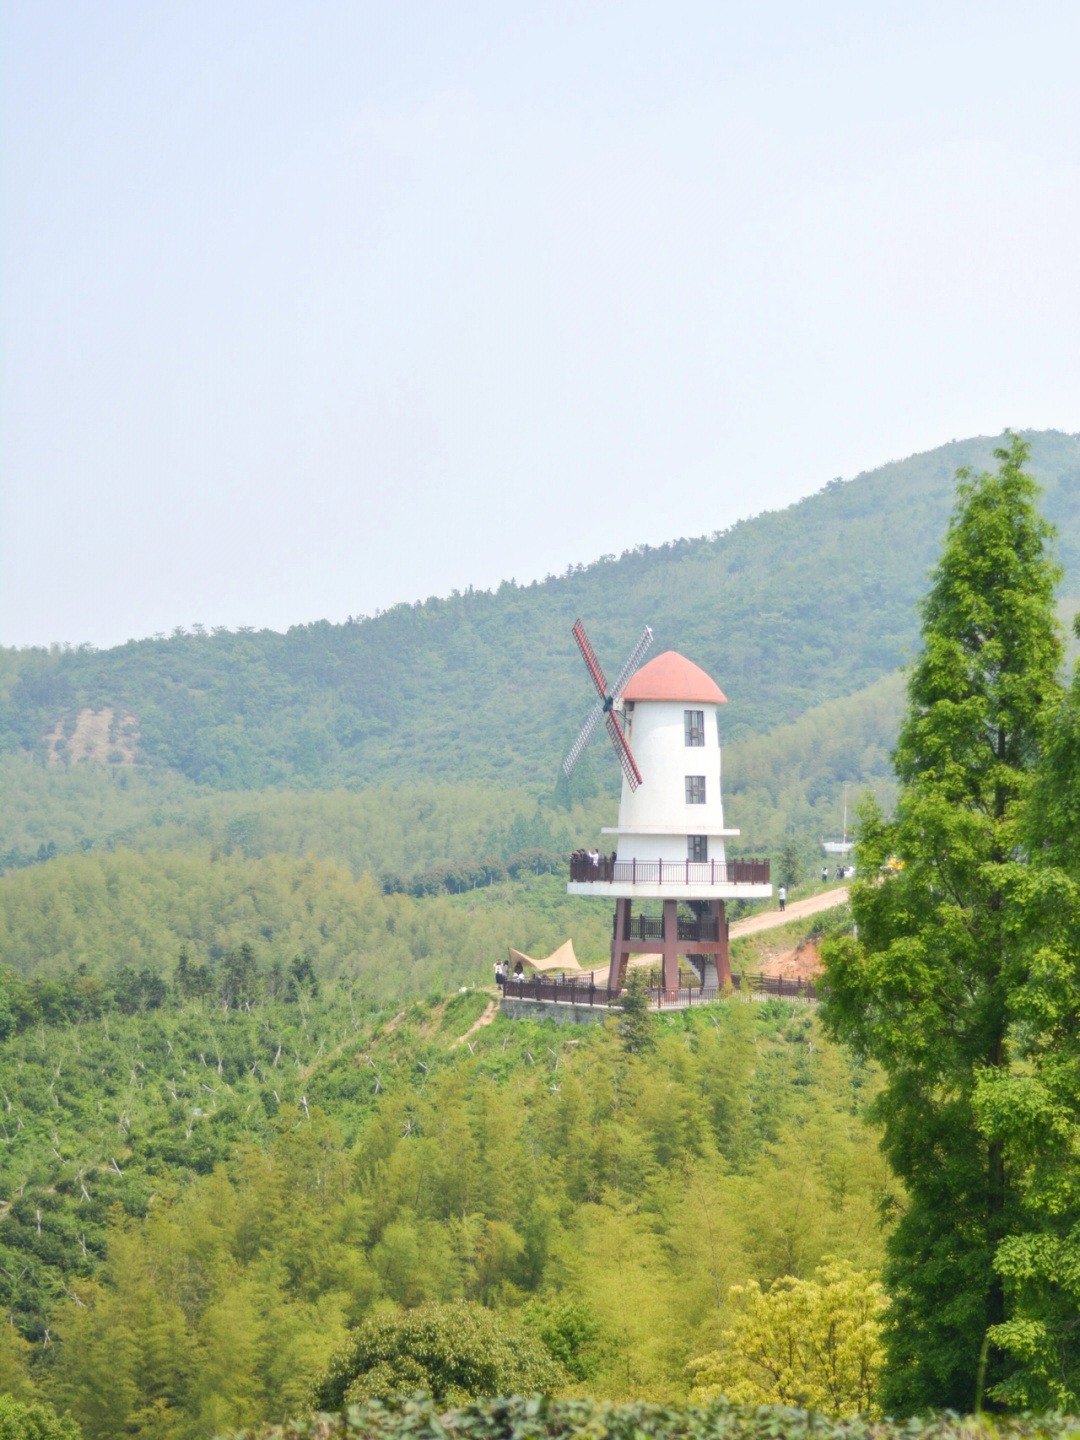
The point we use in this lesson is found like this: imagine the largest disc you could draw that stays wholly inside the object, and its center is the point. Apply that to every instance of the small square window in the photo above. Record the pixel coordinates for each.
(697, 848)
(695, 789)
(694, 721)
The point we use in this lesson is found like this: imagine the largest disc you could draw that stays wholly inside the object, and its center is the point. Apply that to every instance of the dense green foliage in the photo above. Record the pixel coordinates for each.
(536, 1418)
(423, 838)
(530, 1164)
(454, 1353)
(19, 1421)
(112, 1109)
(815, 1343)
(1032, 1108)
(396, 829)
(123, 908)
(936, 986)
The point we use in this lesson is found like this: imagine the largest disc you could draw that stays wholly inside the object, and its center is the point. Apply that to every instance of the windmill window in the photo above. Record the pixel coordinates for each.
(694, 721)
(695, 789)
(697, 848)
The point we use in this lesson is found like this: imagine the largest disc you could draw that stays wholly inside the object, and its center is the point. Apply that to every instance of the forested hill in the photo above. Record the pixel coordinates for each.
(787, 610)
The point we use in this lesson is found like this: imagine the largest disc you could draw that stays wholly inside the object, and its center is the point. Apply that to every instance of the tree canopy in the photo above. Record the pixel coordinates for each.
(814, 1342)
(936, 985)
(454, 1353)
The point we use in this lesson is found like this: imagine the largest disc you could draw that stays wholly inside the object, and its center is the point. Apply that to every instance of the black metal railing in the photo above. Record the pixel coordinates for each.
(776, 985)
(605, 869)
(651, 927)
(583, 990)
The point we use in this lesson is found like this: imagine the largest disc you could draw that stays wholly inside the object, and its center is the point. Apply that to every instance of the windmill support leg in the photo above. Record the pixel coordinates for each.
(723, 954)
(620, 955)
(671, 944)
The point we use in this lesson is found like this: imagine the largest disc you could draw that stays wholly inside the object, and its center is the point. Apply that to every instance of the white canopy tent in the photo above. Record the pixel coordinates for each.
(563, 960)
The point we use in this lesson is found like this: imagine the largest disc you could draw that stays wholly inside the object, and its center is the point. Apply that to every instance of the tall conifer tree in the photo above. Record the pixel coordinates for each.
(1034, 1108)
(929, 986)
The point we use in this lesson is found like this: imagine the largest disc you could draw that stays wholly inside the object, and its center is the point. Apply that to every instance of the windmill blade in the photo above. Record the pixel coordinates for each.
(592, 720)
(622, 750)
(633, 661)
(589, 656)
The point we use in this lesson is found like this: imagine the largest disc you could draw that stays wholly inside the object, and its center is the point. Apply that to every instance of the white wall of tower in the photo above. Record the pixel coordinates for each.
(656, 820)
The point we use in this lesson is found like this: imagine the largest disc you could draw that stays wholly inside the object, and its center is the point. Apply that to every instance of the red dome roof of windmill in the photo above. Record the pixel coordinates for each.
(671, 676)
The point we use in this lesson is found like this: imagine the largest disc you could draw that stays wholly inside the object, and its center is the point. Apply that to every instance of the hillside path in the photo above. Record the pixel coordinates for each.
(485, 1019)
(796, 910)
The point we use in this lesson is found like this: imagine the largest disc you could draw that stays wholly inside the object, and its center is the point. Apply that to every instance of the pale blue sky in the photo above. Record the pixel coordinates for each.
(311, 309)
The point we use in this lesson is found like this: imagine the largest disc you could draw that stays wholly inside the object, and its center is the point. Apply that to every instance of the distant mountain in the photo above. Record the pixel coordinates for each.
(788, 611)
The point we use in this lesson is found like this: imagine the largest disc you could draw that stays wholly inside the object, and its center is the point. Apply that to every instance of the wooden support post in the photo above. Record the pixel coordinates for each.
(723, 955)
(671, 944)
(620, 954)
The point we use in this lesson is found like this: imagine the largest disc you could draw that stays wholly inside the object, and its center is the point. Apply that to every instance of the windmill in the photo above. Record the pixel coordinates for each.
(605, 706)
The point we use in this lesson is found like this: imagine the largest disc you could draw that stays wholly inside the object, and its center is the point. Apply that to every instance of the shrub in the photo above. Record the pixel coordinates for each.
(34, 1422)
(453, 1352)
(518, 1418)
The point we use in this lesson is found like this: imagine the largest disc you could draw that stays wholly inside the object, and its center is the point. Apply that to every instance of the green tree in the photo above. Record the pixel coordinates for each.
(790, 867)
(182, 978)
(929, 986)
(240, 976)
(635, 1030)
(34, 1422)
(570, 1331)
(15, 1355)
(1032, 1109)
(813, 1343)
(454, 1352)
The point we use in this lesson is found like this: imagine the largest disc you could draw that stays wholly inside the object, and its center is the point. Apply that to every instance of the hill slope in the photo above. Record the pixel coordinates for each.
(788, 610)
(388, 1164)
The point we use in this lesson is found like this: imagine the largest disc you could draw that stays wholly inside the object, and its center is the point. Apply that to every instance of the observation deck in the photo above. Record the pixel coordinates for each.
(666, 879)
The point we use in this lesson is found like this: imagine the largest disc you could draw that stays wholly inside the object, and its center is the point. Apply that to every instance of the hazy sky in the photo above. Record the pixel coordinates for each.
(309, 309)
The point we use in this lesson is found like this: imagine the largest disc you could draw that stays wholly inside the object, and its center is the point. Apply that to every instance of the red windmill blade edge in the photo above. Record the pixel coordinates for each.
(622, 750)
(588, 654)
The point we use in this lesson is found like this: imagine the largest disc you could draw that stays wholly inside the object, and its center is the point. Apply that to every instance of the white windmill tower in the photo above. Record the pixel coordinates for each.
(671, 830)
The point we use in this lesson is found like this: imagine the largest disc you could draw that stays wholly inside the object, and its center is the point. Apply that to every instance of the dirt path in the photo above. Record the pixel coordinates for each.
(306, 1072)
(797, 910)
(485, 1019)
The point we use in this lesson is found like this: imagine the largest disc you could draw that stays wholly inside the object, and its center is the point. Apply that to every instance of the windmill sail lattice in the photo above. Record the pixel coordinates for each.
(604, 708)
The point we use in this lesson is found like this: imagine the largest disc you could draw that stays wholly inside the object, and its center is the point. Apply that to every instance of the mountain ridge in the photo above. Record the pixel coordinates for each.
(789, 610)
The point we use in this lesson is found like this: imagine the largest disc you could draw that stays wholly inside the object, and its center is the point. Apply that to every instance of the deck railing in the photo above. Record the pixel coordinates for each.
(583, 990)
(651, 927)
(606, 869)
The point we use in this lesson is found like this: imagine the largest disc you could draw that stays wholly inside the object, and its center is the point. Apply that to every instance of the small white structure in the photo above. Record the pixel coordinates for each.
(671, 833)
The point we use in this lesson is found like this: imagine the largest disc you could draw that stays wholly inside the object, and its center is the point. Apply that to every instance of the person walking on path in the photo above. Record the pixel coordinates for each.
(781, 895)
